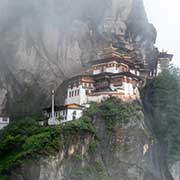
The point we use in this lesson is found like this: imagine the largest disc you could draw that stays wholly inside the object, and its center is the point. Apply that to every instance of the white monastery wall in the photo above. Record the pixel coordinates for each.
(68, 116)
(114, 88)
(83, 96)
(97, 98)
(135, 72)
(159, 70)
(75, 95)
(97, 71)
(132, 71)
(112, 70)
(78, 98)
(70, 113)
(128, 88)
(138, 73)
(3, 126)
(52, 121)
(4, 121)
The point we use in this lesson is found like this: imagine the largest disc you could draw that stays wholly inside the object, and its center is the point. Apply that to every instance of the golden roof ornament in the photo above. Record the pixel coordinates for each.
(113, 52)
(110, 52)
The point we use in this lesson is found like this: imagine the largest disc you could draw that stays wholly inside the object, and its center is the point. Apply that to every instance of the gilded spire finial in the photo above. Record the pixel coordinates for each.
(110, 52)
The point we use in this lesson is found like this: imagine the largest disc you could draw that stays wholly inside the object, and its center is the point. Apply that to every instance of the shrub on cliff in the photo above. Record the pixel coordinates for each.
(161, 98)
(25, 139)
(112, 111)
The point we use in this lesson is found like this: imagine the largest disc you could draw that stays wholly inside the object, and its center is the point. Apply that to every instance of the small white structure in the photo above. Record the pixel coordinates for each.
(163, 62)
(63, 114)
(4, 121)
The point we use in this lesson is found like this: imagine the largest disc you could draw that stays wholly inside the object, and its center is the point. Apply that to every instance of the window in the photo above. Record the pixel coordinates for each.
(87, 92)
(74, 115)
(70, 94)
(75, 93)
(78, 92)
(4, 119)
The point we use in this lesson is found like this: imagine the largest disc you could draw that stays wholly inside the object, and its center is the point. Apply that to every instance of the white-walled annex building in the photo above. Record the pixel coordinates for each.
(4, 121)
(115, 75)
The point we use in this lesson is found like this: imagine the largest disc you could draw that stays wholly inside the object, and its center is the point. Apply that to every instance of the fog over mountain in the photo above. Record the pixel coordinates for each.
(164, 15)
(43, 42)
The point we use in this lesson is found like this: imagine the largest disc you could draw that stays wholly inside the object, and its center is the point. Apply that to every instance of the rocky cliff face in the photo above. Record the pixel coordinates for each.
(44, 42)
(175, 170)
(121, 150)
(48, 41)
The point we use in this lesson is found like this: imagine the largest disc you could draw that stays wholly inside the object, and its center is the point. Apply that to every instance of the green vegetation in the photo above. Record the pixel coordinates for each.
(97, 169)
(94, 170)
(93, 146)
(112, 111)
(162, 103)
(26, 140)
(77, 157)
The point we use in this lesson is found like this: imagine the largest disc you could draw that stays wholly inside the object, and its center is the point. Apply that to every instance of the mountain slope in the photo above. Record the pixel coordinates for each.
(49, 41)
(110, 142)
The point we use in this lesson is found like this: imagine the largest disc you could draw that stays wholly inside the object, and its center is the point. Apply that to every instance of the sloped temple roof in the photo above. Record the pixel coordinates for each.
(165, 55)
(117, 59)
(63, 107)
(127, 74)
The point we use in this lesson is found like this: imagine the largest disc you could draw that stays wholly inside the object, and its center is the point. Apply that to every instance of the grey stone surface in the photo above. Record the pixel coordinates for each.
(49, 41)
(175, 170)
(127, 153)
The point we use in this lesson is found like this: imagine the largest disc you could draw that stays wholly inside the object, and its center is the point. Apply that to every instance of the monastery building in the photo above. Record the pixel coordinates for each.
(114, 75)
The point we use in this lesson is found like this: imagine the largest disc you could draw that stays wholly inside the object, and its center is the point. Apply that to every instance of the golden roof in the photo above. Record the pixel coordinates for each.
(113, 52)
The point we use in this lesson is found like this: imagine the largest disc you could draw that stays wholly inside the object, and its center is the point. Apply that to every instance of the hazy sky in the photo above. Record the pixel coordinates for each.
(165, 15)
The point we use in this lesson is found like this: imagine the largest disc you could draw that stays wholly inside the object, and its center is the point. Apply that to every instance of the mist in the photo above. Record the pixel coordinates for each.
(165, 16)
(48, 34)
(124, 110)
